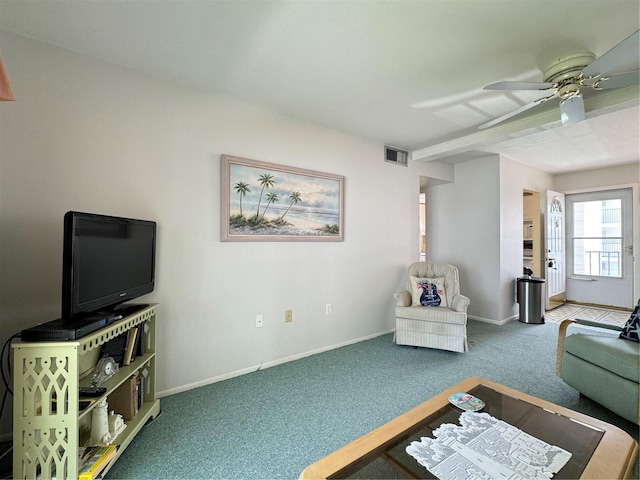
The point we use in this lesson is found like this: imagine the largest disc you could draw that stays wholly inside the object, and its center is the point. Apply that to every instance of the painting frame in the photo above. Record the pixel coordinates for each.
(312, 208)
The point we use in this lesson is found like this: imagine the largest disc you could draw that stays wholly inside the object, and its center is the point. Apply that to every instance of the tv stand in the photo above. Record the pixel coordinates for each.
(48, 423)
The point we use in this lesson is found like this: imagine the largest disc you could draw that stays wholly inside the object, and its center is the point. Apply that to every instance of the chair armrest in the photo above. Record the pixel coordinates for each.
(562, 334)
(591, 323)
(460, 303)
(403, 299)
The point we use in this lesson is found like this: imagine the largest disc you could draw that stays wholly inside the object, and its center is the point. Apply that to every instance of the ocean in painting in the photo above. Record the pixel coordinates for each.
(301, 220)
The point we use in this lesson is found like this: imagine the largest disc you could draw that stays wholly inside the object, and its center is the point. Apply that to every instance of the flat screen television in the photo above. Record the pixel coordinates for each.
(106, 261)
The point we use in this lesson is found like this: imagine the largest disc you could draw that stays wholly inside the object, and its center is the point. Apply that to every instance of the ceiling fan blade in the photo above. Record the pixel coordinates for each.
(519, 86)
(572, 110)
(516, 112)
(625, 51)
(619, 80)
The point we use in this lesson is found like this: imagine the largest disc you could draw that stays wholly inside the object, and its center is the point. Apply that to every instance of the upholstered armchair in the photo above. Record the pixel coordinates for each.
(431, 312)
(602, 362)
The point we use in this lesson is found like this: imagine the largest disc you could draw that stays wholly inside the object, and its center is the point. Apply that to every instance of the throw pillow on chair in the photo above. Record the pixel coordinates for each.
(632, 327)
(428, 292)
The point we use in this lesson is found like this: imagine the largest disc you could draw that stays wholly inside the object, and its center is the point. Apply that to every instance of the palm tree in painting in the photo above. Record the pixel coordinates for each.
(242, 189)
(272, 197)
(267, 181)
(295, 198)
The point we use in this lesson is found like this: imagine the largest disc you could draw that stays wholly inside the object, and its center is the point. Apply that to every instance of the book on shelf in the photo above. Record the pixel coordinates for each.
(130, 353)
(140, 342)
(92, 460)
(140, 390)
(125, 399)
(125, 347)
(115, 348)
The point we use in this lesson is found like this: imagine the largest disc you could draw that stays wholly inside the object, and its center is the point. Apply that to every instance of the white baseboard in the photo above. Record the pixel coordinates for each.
(262, 366)
(504, 321)
(237, 373)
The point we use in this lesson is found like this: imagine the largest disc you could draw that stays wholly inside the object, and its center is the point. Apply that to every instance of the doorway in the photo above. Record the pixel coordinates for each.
(531, 233)
(600, 248)
(555, 271)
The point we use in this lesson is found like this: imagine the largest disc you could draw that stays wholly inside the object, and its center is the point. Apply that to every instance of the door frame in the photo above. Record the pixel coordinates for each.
(635, 201)
(581, 285)
(555, 259)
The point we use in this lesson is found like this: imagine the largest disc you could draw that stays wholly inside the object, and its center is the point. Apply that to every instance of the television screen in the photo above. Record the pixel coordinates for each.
(106, 261)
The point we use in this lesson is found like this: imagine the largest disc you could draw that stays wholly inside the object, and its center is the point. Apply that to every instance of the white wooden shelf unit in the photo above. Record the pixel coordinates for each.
(48, 427)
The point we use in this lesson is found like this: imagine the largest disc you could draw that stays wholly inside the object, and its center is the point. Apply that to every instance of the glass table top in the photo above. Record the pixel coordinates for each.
(390, 460)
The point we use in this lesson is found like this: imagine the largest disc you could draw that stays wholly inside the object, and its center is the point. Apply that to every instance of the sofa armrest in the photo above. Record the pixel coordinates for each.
(403, 299)
(460, 303)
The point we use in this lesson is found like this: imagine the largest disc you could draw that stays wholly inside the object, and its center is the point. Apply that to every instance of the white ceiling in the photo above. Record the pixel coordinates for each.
(359, 66)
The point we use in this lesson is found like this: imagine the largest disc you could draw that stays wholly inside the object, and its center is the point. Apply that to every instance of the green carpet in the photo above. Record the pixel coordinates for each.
(273, 423)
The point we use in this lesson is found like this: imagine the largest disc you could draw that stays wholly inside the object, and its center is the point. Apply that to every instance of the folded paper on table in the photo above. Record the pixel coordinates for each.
(483, 446)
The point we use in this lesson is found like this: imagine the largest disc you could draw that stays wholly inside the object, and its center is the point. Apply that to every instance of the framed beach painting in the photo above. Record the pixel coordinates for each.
(267, 202)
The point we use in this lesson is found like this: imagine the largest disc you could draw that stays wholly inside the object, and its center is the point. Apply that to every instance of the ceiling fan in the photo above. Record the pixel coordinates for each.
(565, 78)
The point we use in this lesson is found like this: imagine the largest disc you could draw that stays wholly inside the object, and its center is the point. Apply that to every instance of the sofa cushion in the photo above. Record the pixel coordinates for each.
(631, 328)
(612, 354)
(428, 292)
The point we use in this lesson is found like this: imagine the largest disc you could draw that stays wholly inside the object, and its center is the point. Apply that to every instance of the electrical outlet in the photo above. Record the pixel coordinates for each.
(288, 316)
(328, 309)
(259, 321)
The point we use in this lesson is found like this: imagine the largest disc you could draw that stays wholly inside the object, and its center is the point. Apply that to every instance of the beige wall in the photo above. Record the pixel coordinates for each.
(476, 223)
(597, 178)
(88, 136)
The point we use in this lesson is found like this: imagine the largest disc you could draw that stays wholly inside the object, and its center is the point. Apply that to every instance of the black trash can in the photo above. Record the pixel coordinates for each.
(530, 296)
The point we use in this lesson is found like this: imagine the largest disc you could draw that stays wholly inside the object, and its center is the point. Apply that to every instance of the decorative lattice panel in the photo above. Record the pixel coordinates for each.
(45, 386)
(45, 403)
(44, 453)
(103, 336)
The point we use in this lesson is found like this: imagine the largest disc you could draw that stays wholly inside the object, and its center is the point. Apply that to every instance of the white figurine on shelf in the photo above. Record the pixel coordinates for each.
(105, 427)
(116, 424)
(100, 424)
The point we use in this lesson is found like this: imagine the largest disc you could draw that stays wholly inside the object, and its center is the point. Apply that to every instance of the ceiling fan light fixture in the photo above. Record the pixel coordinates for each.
(572, 110)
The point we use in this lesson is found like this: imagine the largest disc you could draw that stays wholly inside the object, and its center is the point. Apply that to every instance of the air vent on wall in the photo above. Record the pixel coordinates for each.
(393, 155)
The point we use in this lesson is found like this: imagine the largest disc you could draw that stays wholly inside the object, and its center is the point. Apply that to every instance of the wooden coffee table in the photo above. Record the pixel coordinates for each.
(599, 450)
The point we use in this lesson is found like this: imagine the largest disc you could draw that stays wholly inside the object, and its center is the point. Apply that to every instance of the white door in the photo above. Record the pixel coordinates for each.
(600, 248)
(554, 245)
